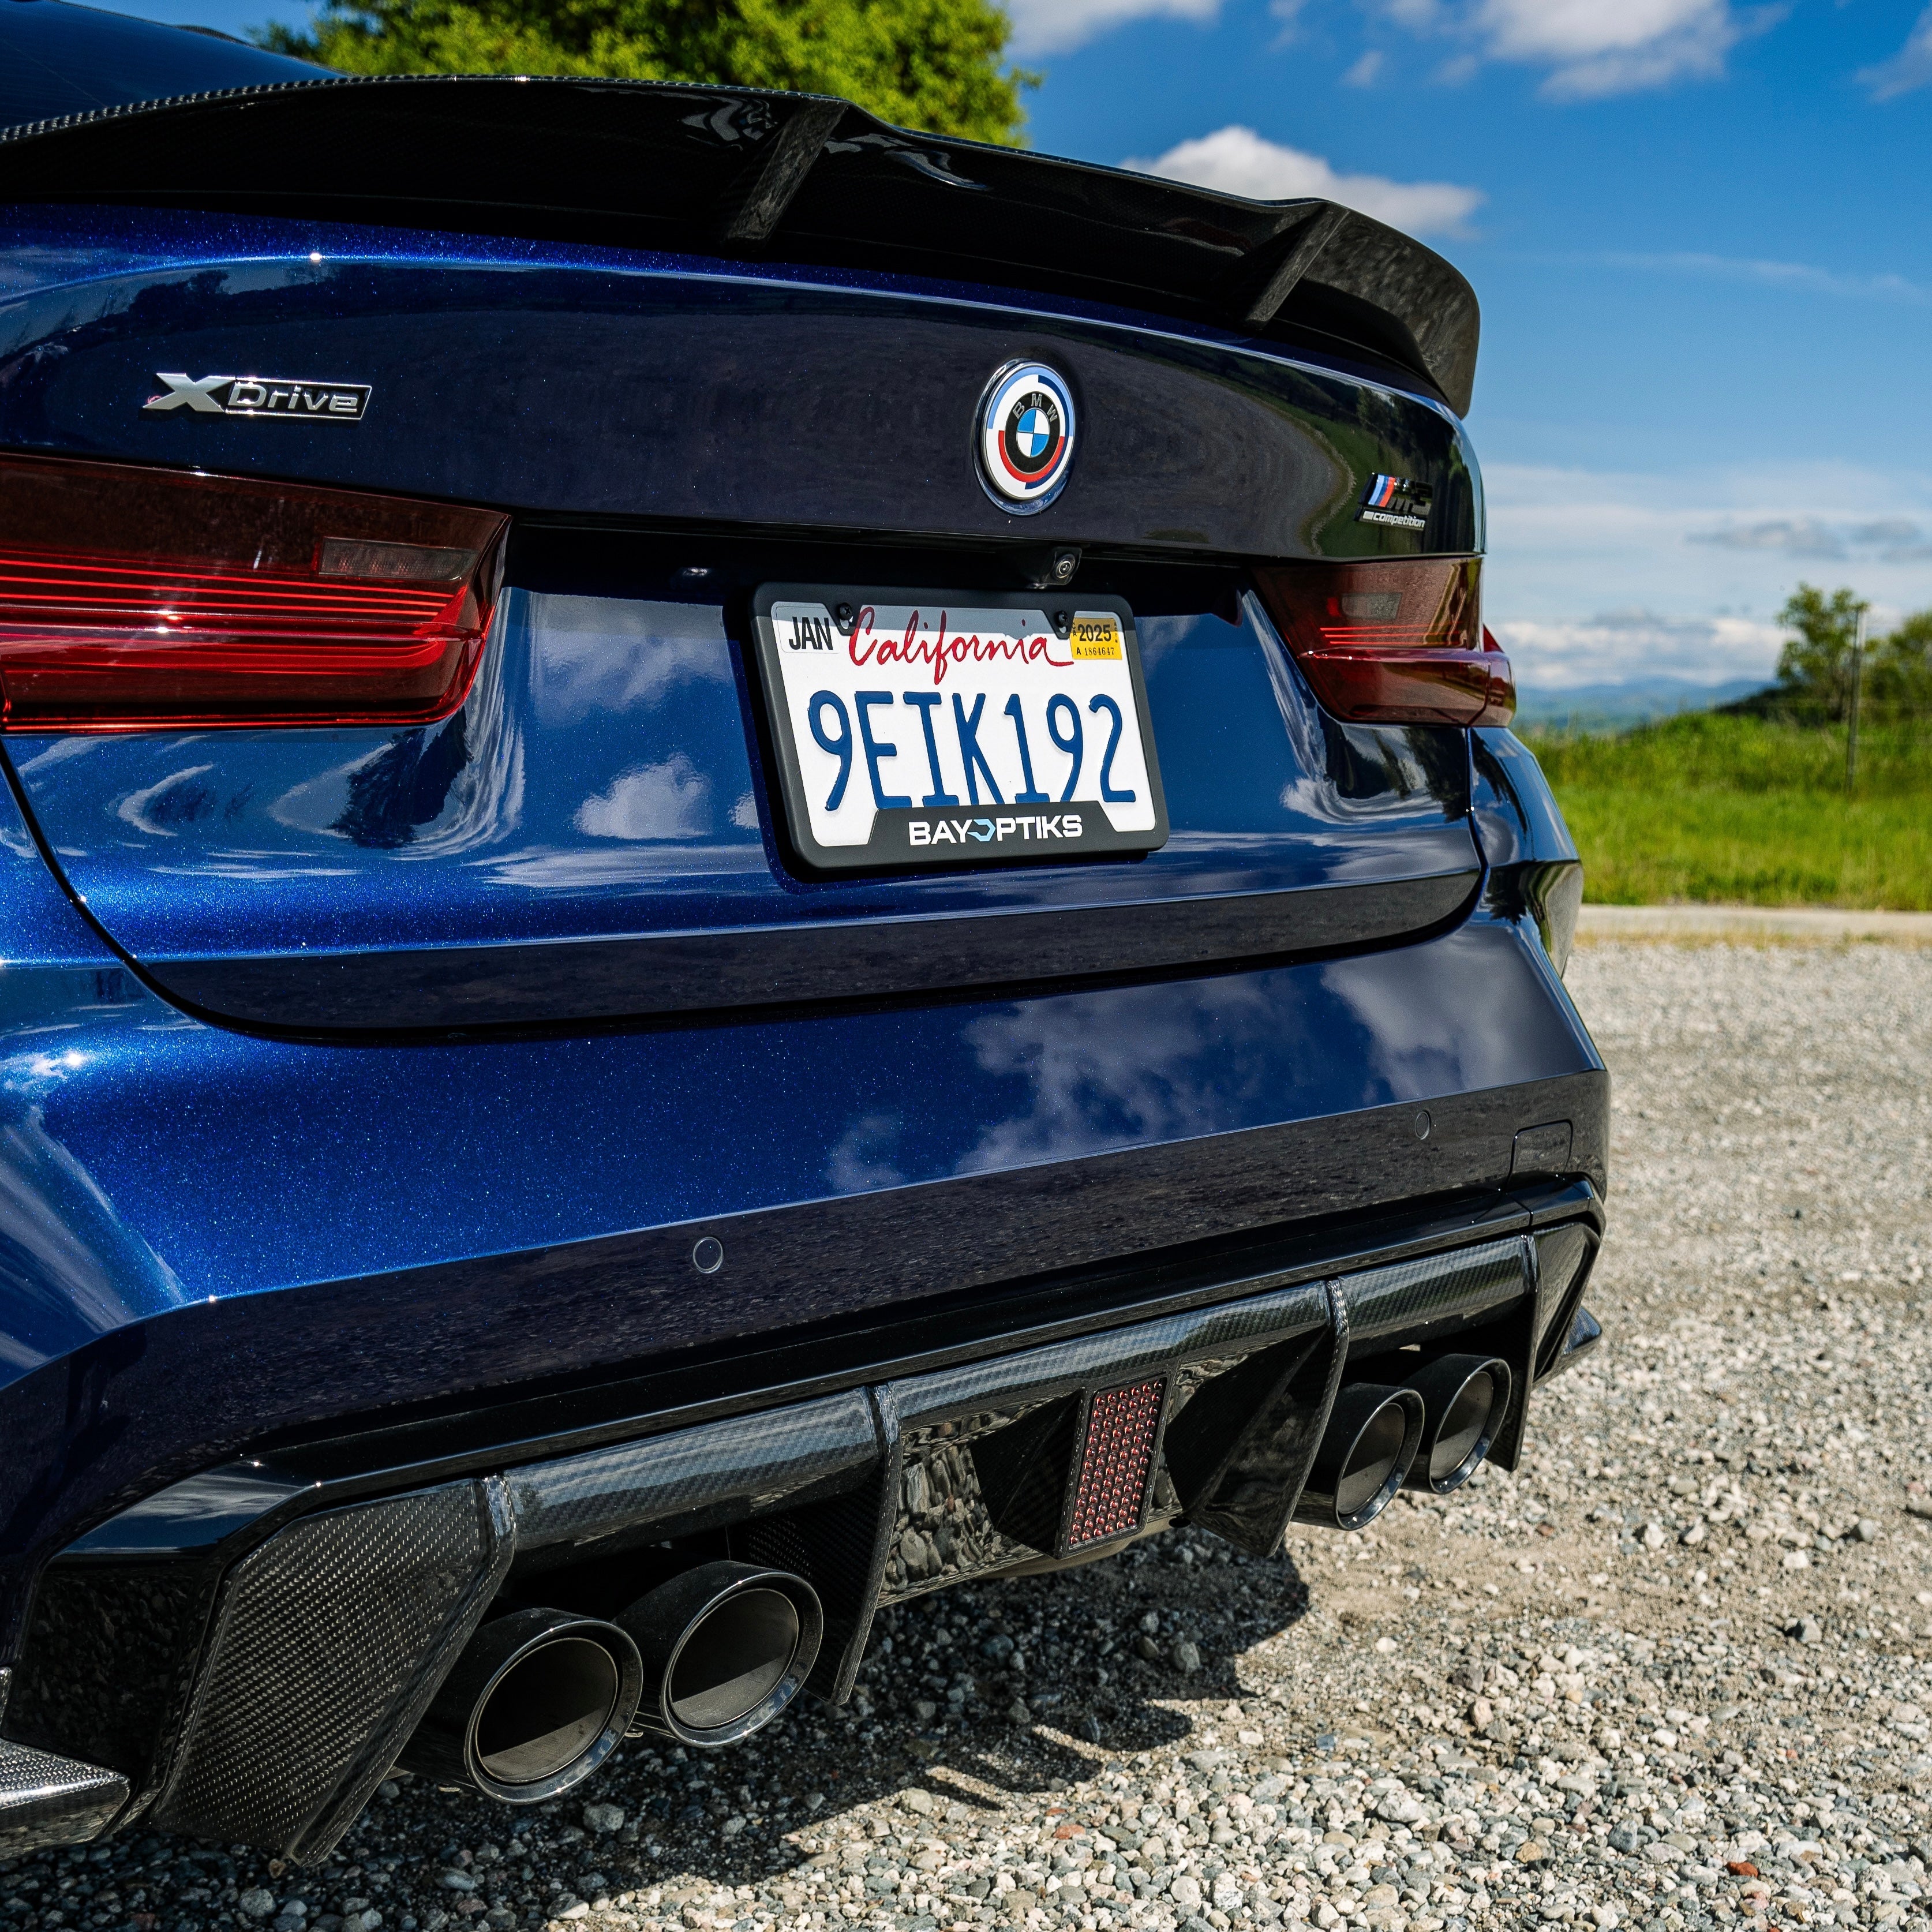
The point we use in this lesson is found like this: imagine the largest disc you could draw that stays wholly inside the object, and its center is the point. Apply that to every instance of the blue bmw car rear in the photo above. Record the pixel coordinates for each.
(750, 863)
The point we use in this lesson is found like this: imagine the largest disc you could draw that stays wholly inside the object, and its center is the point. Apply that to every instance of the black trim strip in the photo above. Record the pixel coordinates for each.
(746, 972)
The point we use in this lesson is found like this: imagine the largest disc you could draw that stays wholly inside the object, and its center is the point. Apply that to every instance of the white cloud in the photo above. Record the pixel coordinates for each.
(1236, 161)
(863, 1157)
(1910, 68)
(1591, 48)
(1134, 1066)
(1795, 536)
(1765, 274)
(1633, 647)
(1365, 71)
(1058, 26)
(616, 653)
(1597, 47)
(1597, 577)
(1893, 539)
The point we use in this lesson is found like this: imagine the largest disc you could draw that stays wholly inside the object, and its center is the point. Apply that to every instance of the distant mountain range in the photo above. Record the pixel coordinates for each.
(1616, 707)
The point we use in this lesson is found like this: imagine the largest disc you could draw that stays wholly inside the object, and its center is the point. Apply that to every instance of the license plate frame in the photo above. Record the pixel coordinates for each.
(1042, 646)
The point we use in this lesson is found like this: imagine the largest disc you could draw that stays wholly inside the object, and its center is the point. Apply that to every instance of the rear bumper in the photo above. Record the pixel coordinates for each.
(276, 1294)
(214, 1243)
(320, 1595)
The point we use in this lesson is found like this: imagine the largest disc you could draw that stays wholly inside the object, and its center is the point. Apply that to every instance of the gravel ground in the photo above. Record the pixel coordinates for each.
(1677, 1670)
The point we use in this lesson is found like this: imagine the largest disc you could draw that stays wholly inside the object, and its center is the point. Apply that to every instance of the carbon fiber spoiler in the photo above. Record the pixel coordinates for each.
(738, 172)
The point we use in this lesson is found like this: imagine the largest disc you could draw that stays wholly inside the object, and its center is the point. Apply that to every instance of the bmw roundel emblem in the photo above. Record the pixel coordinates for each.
(1026, 436)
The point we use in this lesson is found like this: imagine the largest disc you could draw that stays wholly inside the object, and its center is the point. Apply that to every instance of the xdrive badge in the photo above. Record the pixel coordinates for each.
(259, 396)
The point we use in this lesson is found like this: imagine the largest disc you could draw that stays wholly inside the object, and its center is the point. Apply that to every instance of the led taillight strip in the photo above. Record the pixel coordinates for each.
(53, 587)
(136, 599)
(1380, 636)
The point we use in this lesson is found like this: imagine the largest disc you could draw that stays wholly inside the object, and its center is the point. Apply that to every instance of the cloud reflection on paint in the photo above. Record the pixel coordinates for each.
(865, 1155)
(618, 654)
(1131, 1067)
(669, 800)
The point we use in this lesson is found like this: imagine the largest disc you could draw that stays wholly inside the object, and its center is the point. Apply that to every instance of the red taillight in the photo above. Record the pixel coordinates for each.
(135, 599)
(1399, 640)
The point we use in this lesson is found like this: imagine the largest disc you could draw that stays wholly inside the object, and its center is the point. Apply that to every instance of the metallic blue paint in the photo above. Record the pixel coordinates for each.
(594, 382)
(50, 248)
(391, 1225)
(216, 1164)
(1517, 819)
(1532, 868)
(603, 782)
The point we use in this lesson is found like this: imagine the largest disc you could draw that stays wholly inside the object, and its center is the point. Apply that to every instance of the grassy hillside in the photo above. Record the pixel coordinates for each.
(1746, 810)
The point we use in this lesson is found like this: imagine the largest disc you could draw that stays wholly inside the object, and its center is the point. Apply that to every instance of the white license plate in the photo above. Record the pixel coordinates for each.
(957, 728)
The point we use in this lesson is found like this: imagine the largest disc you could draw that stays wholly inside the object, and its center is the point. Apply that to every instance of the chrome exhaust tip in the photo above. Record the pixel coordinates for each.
(1371, 1441)
(726, 1647)
(1464, 1399)
(535, 1703)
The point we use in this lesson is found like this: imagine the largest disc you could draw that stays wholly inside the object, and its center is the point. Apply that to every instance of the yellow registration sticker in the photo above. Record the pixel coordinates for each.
(1096, 635)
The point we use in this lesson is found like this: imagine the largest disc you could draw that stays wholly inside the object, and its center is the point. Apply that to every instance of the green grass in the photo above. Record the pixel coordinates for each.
(1744, 810)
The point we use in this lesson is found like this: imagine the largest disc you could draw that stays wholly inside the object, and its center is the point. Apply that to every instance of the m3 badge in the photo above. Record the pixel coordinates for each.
(1396, 500)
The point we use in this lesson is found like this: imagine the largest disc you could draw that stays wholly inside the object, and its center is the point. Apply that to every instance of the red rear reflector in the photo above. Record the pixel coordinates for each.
(135, 599)
(1116, 1459)
(1399, 640)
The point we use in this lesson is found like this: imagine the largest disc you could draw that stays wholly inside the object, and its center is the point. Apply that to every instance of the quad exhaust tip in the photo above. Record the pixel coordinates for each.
(1464, 1399)
(1432, 1434)
(725, 1647)
(1371, 1441)
(536, 1702)
(539, 1699)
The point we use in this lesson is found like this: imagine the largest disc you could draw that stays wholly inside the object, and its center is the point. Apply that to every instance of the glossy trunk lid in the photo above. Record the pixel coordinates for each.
(596, 835)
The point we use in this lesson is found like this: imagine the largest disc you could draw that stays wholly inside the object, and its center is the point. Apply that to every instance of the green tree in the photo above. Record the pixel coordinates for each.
(1900, 675)
(933, 64)
(1814, 670)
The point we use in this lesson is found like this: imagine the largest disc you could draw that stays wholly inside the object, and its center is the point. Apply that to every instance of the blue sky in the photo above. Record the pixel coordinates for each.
(1699, 231)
